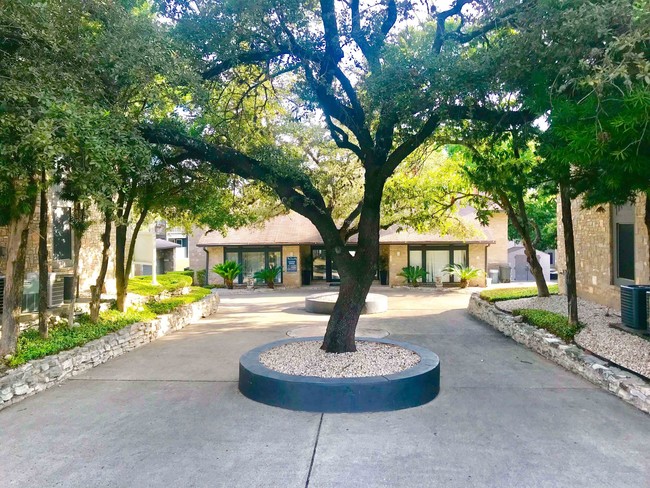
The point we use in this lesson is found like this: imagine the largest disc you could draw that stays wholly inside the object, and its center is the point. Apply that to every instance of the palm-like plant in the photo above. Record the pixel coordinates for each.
(228, 270)
(464, 273)
(268, 275)
(413, 274)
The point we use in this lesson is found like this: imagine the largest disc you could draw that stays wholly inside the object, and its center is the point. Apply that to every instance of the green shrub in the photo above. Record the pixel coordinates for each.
(32, 346)
(501, 294)
(200, 278)
(268, 275)
(172, 281)
(228, 270)
(464, 273)
(413, 274)
(169, 304)
(553, 322)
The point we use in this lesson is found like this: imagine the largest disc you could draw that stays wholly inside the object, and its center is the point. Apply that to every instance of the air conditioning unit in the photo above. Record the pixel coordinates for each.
(55, 290)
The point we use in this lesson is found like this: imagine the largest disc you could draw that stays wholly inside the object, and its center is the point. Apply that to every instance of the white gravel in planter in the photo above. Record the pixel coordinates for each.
(620, 347)
(306, 358)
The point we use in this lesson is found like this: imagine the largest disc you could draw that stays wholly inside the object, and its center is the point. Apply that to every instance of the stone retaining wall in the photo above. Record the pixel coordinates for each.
(39, 374)
(631, 388)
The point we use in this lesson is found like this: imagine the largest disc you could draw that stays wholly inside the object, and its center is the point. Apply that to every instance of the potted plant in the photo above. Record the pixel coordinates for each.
(268, 275)
(383, 269)
(305, 269)
(464, 273)
(229, 270)
(413, 274)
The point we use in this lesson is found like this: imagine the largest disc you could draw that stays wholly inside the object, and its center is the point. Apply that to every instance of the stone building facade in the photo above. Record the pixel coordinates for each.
(60, 249)
(293, 242)
(611, 249)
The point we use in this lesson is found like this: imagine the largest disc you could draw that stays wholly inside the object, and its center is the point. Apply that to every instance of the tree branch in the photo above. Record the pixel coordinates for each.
(250, 57)
(296, 192)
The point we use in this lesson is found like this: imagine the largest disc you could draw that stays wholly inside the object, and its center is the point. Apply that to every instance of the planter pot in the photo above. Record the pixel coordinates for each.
(463, 283)
(383, 277)
(306, 277)
(409, 388)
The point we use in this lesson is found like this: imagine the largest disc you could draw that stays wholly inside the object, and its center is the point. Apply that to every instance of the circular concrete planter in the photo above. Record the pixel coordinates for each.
(323, 303)
(412, 387)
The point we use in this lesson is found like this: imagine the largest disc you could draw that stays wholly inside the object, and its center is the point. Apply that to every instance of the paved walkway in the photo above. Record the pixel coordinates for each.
(169, 414)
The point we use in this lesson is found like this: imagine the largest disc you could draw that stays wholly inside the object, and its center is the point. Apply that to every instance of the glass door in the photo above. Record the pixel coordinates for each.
(436, 261)
(252, 262)
(319, 264)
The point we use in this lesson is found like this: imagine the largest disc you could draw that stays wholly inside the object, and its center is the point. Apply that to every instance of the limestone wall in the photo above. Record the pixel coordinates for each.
(89, 256)
(477, 259)
(497, 253)
(594, 252)
(215, 257)
(397, 259)
(40, 374)
(291, 280)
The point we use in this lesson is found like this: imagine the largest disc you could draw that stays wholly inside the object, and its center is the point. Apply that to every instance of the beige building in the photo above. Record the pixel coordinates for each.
(292, 241)
(611, 250)
(151, 254)
(60, 247)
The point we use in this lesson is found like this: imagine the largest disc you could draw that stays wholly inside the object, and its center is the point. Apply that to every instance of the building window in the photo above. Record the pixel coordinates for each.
(183, 251)
(253, 260)
(435, 258)
(625, 251)
(623, 244)
(62, 233)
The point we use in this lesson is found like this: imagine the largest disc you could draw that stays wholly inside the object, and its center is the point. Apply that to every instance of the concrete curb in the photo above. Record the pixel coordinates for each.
(627, 386)
(412, 387)
(40, 374)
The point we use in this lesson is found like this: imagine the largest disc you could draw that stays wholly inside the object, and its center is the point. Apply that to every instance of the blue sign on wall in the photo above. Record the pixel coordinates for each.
(292, 264)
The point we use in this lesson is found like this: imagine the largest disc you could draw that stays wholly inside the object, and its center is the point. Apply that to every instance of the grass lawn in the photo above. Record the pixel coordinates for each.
(501, 294)
(32, 346)
(141, 285)
(555, 323)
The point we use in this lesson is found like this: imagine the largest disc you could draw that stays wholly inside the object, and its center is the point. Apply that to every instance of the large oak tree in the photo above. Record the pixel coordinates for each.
(383, 76)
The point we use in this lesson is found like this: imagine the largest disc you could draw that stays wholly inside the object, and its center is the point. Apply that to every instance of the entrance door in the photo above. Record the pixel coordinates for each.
(252, 262)
(319, 264)
(436, 261)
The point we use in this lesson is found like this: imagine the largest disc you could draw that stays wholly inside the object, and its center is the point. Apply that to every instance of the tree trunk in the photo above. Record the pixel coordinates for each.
(43, 258)
(124, 260)
(79, 218)
(342, 325)
(356, 272)
(14, 277)
(96, 289)
(520, 222)
(535, 267)
(569, 253)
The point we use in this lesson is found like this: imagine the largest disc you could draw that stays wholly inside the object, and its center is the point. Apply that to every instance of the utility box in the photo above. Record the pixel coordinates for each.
(504, 273)
(30, 293)
(634, 306)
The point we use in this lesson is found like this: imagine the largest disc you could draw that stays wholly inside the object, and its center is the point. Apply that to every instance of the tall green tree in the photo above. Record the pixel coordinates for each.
(382, 82)
(36, 40)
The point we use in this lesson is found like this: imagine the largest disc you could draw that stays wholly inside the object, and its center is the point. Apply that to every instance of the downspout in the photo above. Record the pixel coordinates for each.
(485, 264)
(207, 266)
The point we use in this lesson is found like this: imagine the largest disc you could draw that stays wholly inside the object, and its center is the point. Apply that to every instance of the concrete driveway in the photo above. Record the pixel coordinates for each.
(169, 414)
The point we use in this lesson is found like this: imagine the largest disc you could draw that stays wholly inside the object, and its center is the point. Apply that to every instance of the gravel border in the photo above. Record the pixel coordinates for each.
(622, 348)
(306, 358)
